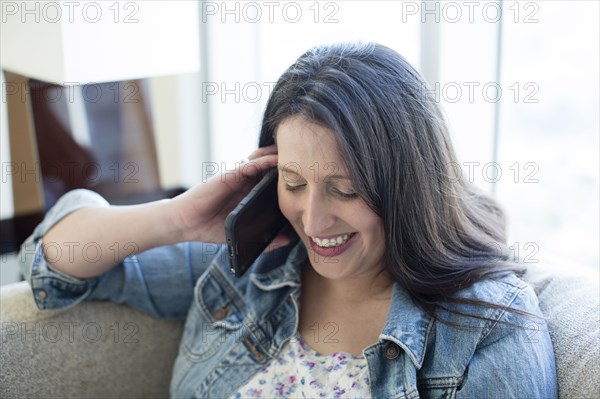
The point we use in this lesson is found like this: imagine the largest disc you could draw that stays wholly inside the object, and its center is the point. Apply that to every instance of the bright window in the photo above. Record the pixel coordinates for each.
(530, 137)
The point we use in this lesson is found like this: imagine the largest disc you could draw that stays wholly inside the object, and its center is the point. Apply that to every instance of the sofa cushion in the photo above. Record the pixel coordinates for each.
(93, 350)
(570, 298)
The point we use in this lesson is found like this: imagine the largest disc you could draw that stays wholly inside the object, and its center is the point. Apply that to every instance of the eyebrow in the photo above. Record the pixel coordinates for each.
(328, 177)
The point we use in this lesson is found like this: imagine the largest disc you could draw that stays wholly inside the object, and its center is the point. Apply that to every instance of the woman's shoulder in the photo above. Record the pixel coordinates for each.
(503, 334)
(504, 290)
(504, 298)
(495, 314)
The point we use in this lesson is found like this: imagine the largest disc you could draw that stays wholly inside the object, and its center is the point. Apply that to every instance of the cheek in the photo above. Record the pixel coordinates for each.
(286, 204)
(369, 223)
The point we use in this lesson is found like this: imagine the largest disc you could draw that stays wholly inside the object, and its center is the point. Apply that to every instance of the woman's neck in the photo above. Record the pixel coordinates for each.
(376, 286)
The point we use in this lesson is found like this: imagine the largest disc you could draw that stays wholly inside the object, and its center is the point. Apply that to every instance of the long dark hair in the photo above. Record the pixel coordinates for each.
(441, 233)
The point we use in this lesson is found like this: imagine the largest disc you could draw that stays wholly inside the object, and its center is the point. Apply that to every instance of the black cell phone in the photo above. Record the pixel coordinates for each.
(253, 224)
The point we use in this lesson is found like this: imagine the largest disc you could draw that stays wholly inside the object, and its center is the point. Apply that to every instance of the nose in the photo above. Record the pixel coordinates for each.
(317, 215)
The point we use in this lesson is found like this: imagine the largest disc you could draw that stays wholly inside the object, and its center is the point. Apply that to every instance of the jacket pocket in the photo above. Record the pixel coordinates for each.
(214, 317)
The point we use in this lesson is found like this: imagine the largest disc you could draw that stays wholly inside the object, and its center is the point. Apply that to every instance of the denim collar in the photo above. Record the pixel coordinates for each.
(407, 324)
(284, 274)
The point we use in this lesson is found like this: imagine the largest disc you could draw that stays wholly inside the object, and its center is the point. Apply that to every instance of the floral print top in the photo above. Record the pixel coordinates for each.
(300, 372)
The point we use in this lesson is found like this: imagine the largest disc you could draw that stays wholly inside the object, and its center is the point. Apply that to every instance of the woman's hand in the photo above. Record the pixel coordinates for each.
(200, 212)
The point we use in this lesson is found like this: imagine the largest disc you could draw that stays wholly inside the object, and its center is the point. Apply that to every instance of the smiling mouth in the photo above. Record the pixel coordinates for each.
(332, 242)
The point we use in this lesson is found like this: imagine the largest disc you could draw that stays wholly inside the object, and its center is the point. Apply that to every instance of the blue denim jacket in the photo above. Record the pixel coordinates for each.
(234, 326)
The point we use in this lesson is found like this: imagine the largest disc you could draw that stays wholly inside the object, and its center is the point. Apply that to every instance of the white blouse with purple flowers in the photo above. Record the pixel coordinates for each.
(300, 372)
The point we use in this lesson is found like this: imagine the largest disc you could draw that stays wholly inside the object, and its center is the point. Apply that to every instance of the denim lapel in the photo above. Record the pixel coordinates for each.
(407, 325)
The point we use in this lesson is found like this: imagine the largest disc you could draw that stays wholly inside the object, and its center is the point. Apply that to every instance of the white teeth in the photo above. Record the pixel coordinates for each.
(330, 242)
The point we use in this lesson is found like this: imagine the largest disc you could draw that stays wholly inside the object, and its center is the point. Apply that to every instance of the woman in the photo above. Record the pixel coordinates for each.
(396, 284)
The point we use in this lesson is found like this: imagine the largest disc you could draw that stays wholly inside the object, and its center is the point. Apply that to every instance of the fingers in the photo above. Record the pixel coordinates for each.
(262, 151)
(249, 170)
(278, 242)
(256, 167)
(259, 161)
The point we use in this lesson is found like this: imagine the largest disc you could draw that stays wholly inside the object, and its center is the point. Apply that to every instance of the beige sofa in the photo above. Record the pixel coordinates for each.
(105, 350)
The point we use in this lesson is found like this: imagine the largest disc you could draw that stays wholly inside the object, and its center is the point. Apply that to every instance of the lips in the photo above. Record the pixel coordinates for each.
(332, 246)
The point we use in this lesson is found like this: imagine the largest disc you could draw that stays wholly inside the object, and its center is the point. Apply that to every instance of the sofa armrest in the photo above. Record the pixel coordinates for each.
(95, 349)
(569, 298)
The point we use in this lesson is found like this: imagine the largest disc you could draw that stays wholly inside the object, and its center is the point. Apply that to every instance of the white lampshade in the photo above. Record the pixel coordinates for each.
(76, 42)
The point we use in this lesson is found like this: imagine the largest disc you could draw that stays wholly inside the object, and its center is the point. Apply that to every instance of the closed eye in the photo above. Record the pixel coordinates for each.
(345, 195)
(293, 187)
(337, 192)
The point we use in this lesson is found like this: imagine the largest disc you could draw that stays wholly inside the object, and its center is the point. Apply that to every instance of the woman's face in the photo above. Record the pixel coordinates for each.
(343, 236)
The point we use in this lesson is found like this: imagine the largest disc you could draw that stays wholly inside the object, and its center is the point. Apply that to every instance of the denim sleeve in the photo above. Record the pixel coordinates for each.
(159, 281)
(515, 359)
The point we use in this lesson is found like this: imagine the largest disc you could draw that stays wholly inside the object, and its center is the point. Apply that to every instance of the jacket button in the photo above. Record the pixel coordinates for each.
(391, 351)
(41, 294)
(219, 314)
